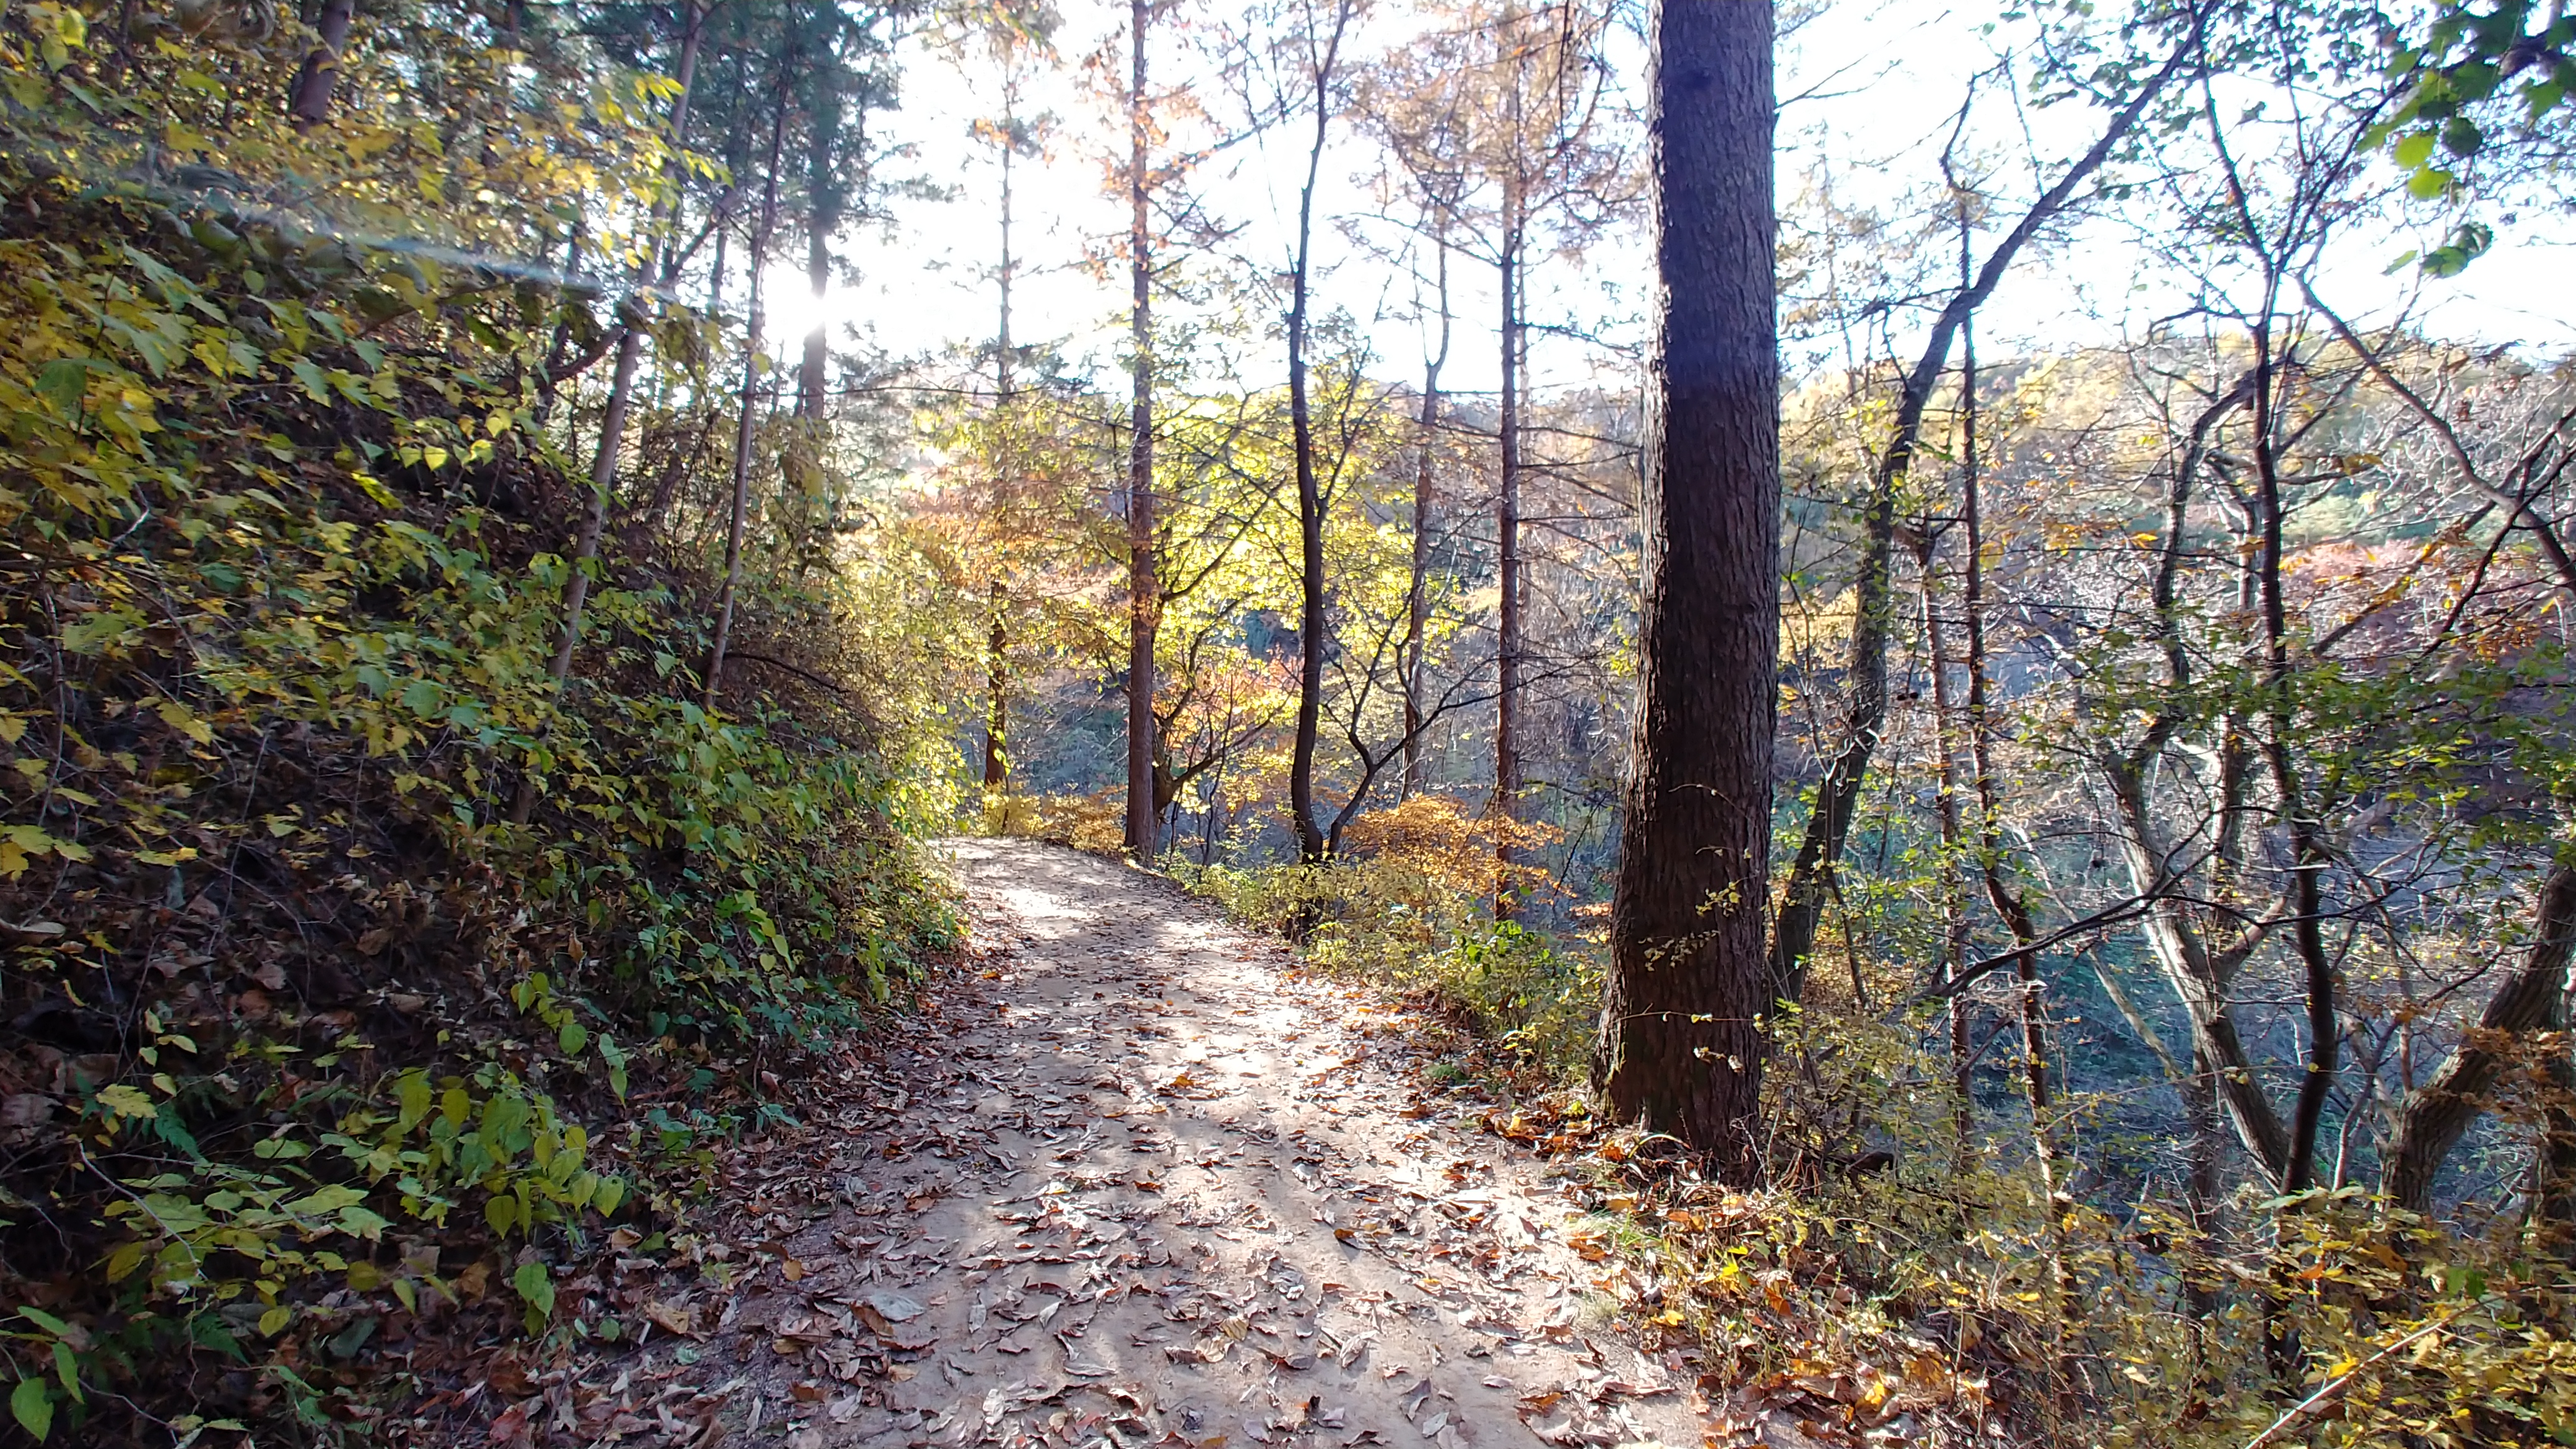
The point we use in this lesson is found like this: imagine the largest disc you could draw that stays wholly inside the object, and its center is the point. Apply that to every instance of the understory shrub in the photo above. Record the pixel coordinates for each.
(1897, 1282)
(1410, 904)
(314, 1038)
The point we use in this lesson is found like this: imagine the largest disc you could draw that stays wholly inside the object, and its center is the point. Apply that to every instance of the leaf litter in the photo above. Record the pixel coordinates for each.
(1129, 1179)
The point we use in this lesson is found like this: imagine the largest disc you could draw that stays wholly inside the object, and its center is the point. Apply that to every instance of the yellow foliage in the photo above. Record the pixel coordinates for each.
(1453, 851)
(1096, 823)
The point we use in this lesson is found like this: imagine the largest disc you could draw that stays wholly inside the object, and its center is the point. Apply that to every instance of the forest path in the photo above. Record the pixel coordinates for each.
(1142, 1184)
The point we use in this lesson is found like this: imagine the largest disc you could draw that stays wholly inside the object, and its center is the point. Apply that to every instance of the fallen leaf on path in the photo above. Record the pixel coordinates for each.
(893, 1306)
(511, 1425)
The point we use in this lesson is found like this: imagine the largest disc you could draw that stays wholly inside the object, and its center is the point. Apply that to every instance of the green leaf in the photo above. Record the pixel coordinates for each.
(413, 1090)
(169, 1127)
(536, 1286)
(327, 1200)
(2413, 151)
(63, 382)
(360, 1222)
(33, 1407)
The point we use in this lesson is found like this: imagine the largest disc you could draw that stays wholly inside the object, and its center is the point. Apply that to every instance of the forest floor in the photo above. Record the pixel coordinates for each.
(1128, 1177)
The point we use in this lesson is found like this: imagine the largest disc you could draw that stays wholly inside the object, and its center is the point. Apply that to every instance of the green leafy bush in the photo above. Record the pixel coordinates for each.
(310, 1041)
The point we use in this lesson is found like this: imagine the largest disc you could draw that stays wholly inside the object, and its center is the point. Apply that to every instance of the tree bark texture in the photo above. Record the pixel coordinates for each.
(1681, 1046)
(2532, 999)
(309, 103)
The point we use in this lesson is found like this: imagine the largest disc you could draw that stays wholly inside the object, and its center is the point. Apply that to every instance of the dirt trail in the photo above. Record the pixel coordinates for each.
(1154, 1189)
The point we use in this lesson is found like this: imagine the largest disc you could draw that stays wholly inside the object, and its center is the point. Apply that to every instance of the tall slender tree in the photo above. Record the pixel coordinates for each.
(1509, 238)
(1322, 41)
(1681, 1042)
(747, 420)
(1417, 594)
(1144, 571)
(653, 281)
(1828, 828)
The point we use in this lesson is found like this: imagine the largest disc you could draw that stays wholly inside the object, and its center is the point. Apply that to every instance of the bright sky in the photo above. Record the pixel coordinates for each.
(1881, 80)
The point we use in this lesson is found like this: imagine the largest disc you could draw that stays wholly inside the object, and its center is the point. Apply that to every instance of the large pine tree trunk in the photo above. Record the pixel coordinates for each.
(1680, 1048)
(822, 218)
(1144, 574)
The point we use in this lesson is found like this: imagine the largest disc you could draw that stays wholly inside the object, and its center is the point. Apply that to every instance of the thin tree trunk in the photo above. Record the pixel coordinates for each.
(1003, 378)
(745, 425)
(1417, 598)
(1681, 1048)
(309, 100)
(1829, 824)
(1953, 890)
(2007, 902)
(2307, 844)
(1507, 552)
(621, 391)
(1311, 845)
(2306, 894)
(2202, 1187)
(551, 374)
(1144, 573)
(1507, 493)
(997, 679)
(997, 704)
